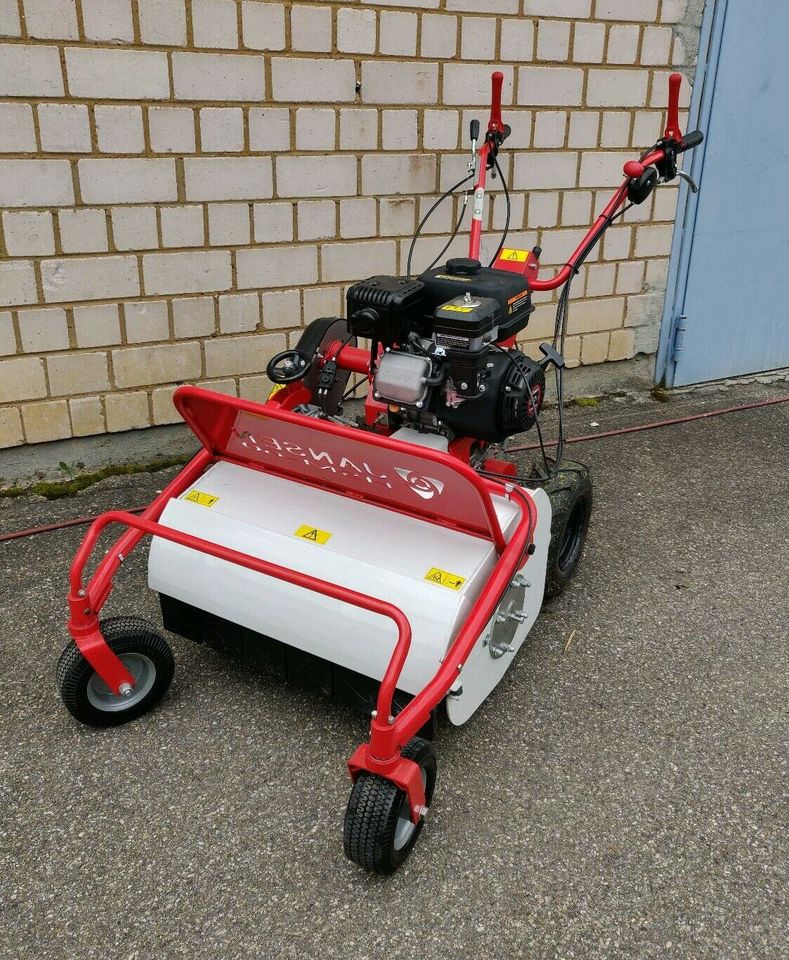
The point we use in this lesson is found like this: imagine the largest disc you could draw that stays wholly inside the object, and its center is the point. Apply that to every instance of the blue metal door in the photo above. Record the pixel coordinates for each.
(727, 309)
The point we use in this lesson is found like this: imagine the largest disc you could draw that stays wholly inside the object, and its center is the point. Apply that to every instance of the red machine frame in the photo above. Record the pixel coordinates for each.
(388, 733)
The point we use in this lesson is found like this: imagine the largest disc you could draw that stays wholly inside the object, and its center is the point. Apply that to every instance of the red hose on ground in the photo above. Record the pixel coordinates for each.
(79, 521)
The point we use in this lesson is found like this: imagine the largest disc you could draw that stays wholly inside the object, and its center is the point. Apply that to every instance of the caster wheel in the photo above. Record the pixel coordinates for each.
(379, 833)
(144, 653)
(570, 493)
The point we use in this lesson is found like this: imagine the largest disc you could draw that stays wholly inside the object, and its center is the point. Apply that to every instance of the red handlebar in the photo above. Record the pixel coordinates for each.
(672, 120)
(495, 124)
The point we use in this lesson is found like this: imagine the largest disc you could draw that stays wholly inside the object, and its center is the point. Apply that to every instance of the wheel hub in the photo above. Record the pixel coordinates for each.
(144, 672)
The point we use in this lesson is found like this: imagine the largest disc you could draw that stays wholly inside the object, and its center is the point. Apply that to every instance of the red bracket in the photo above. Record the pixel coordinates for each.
(403, 773)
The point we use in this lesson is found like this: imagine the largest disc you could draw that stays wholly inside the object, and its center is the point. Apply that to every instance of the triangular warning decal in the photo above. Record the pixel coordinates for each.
(310, 535)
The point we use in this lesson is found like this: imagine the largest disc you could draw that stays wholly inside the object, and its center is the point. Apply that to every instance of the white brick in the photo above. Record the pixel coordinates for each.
(318, 302)
(397, 33)
(28, 233)
(546, 170)
(237, 355)
(239, 312)
(356, 30)
(553, 40)
(46, 421)
(549, 128)
(601, 168)
(228, 178)
(316, 176)
(172, 129)
(548, 8)
(17, 283)
(162, 406)
(358, 129)
(9, 19)
(654, 240)
(117, 74)
(317, 219)
(263, 25)
(478, 38)
(277, 267)
(273, 222)
(589, 42)
(615, 131)
(127, 181)
(269, 129)
(165, 363)
(354, 261)
(28, 70)
(146, 320)
(656, 45)
(626, 10)
(89, 278)
(550, 86)
(440, 130)
(399, 130)
(630, 277)
(281, 308)
(469, 83)
(517, 40)
(17, 133)
(11, 434)
(51, 19)
(357, 217)
(326, 81)
(439, 36)
(182, 226)
(77, 373)
(218, 76)
(194, 272)
(617, 88)
(162, 21)
(7, 335)
(660, 91)
(43, 330)
(584, 127)
(400, 173)
(228, 224)
(87, 416)
(134, 228)
(543, 209)
(221, 130)
(215, 23)
(390, 82)
(65, 128)
(22, 378)
(622, 43)
(490, 6)
(119, 129)
(194, 317)
(315, 128)
(109, 20)
(35, 183)
(616, 243)
(672, 11)
(97, 325)
(576, 208)
(126, 411)
(82, 231)
(311, 28)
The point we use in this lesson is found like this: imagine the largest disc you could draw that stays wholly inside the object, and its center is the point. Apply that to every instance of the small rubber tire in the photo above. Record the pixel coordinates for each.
(144, 652)
(570, 493)
(376, 835)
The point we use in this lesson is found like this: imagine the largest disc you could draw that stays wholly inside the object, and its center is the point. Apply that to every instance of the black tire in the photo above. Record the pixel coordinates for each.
(570, 493)
(376, 836)
(145, 653)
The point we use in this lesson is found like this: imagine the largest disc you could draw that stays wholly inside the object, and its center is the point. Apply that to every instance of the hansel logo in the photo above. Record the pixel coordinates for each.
(424, 487)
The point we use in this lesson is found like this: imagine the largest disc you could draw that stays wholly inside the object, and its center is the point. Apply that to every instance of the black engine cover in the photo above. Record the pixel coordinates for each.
(506, 406)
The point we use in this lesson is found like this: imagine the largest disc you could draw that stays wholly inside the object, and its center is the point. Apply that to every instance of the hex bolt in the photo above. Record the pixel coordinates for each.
(125, 689)
(374, 714)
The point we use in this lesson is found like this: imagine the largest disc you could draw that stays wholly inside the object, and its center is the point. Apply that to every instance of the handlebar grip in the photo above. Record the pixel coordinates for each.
(474, 130)
(672, 120)
(497, 81)
(690, 140)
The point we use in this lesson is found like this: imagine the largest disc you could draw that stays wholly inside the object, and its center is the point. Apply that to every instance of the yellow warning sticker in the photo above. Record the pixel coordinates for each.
(312, 533)
(456, 308)
(275, 390)
(517, 256)
(445, 579)
(203, 499)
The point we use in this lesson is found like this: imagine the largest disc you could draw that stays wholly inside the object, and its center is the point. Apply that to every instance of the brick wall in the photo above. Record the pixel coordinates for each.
(184, 182)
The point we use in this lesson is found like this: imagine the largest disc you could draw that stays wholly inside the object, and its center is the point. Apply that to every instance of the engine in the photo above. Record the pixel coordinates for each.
(441, 369)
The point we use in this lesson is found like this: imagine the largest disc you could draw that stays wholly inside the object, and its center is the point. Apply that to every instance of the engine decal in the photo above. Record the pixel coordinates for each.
(444, 578)
(313, 534)
(203, 499)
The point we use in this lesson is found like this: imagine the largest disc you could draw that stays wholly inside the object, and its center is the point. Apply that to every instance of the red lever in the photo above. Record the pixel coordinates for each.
(633, 169)
(672, 121)
(494, 124)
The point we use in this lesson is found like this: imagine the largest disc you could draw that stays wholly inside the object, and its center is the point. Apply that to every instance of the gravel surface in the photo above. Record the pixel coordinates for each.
(621, 794)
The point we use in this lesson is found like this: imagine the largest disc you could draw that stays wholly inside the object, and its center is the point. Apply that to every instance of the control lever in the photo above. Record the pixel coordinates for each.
(472, 164)
(689, 180)
(552, 356)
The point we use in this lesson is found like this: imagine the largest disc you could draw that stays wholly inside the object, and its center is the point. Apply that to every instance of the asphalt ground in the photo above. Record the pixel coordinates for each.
(621, 794)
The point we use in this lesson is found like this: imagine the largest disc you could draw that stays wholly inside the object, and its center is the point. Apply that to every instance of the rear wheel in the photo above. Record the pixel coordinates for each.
(379, 832)
(570, 493)
(144, 653)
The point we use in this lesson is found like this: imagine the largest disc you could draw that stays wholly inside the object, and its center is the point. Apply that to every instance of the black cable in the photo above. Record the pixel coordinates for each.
(426, 217)
(449, 242)
(507, 220)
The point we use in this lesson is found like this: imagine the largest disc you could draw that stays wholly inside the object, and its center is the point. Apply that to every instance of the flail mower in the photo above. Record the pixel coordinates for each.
(398, 555)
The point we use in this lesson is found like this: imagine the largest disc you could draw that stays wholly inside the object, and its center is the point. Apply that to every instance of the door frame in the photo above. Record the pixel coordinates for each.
(701, 104)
